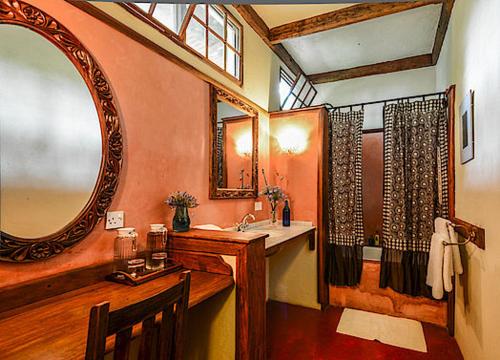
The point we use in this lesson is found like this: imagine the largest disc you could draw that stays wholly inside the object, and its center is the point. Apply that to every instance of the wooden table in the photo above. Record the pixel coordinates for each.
(56, 328)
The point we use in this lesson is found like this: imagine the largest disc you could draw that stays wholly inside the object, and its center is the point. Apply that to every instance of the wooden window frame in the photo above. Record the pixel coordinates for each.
(180, 39)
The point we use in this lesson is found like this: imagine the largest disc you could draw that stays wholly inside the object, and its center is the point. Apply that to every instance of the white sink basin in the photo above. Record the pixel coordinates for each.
(277, 233)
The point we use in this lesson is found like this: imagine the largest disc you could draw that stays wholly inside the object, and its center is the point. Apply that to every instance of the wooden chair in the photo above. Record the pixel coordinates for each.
(163, 341)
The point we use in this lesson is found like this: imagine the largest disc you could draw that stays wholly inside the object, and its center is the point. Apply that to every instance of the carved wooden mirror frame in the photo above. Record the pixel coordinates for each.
(217, 94)
(18, 249)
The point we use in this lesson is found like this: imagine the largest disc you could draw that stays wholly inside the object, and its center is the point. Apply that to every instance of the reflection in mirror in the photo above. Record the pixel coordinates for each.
(234, 141)
(50, 136)
(234, 147)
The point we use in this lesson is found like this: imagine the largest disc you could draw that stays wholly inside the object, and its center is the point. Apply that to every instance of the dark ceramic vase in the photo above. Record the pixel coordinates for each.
(181, 220)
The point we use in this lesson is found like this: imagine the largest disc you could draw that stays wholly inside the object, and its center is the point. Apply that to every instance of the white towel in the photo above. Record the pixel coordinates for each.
(444, 261)
(435, 265)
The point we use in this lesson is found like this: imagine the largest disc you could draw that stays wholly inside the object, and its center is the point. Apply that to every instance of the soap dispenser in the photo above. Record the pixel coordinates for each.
(286, 214)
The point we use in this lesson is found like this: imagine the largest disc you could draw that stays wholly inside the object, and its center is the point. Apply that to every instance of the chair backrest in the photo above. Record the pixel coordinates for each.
(158, 341)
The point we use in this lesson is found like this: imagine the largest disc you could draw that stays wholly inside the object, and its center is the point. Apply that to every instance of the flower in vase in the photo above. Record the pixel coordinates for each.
(181, 199)
(274, 195)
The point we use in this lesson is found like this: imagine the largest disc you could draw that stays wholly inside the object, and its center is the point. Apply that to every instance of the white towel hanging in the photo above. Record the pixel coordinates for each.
(444, 261)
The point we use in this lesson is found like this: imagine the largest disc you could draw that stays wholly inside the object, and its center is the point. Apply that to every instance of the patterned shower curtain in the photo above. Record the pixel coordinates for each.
(415, 190)
(345, 208)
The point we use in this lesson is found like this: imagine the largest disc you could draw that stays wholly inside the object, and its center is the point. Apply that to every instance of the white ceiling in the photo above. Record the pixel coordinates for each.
(391, 37)
(275, 15)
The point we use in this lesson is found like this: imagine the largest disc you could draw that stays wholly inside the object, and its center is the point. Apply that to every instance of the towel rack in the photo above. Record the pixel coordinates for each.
(465, 229)
(470, 237)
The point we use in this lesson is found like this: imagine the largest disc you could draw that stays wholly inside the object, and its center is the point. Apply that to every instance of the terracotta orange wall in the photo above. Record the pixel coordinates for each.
(298, 173)
(164, 116)
(373, 174)
(368, 296)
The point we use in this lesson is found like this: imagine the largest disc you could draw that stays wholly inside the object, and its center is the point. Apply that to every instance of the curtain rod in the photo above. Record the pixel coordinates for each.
(330, 107)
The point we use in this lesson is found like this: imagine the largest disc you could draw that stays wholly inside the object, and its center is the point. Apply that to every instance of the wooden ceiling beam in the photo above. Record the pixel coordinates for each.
(342, 17)
(444, 20)
(259, 26)
(409, 63)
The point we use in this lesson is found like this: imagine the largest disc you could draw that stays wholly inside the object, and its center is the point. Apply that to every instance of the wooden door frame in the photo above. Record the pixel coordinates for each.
(450, 96)
(323, 286)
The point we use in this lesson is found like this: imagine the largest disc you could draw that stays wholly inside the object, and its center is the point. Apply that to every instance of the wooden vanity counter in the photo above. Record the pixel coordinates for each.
(56, 328)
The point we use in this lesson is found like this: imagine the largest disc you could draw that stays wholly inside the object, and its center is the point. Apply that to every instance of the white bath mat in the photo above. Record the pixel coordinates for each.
(389, 330)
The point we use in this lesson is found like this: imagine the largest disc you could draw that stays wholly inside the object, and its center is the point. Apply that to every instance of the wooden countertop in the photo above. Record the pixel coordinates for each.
(219, 236)
(56, 328)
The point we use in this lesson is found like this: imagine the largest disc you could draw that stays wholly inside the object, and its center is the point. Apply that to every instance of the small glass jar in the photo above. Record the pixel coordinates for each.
(158, 260)
(125, 248)
(135, 267)
(156, 247)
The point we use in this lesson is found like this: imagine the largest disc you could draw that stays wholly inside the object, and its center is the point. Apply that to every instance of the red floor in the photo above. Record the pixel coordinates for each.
(295, 332)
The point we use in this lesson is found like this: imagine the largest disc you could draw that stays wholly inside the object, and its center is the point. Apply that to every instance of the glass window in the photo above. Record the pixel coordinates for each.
(295, 94)
(232, 63)
(233, 35)
(216, 50)
(143, 6)
(200, 11)
(195, 36)
(170, 15)
(216, 20)
(211, 31)
(223, 33)
(285, 86)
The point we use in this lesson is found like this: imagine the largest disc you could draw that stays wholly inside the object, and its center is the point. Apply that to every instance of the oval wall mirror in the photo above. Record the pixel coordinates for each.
(60, 138)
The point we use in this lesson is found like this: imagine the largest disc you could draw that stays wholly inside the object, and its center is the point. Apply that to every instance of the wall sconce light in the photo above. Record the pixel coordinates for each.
(292, 139)
(244, 144)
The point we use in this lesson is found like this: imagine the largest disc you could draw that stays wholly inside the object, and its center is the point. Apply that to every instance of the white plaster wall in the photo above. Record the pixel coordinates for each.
(378, 87)
(291, 275)
(470, 59)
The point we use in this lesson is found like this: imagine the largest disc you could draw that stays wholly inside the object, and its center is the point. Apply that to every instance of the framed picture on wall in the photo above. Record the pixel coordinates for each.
(467, 128)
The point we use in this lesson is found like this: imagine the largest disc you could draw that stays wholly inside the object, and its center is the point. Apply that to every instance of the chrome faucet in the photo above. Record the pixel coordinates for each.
(243, 225)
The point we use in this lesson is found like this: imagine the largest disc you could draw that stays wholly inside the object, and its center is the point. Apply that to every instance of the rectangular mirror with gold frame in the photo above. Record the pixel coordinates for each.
(233, 146)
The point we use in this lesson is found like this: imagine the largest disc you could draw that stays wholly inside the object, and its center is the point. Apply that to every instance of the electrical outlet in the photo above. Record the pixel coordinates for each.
(258, 205)
(114, 219)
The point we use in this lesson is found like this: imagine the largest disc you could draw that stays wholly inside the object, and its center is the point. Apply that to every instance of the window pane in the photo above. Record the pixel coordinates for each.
(289, 102)
(200, 12)
(297, 105)
(284, 90)
(195, 36)
(233, 35)
(143, 6)
(309, 97)
(299, 84)
(216, 50)
(303, 94)
(232, 63)
(170, 15)
(216, 20)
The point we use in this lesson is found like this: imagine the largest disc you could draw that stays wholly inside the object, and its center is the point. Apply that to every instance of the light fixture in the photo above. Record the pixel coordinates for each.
(244, 144)
(292, 139)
